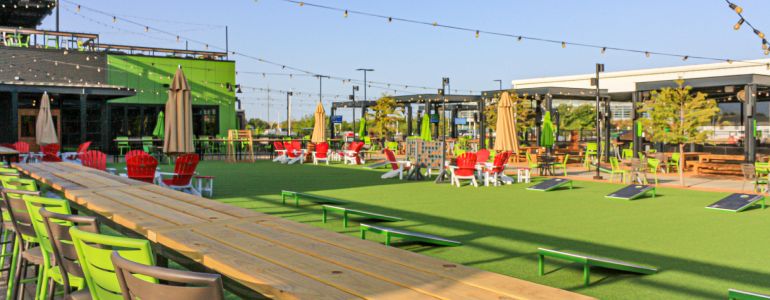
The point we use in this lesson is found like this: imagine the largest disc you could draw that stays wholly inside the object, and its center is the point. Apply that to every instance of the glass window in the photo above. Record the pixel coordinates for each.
(205, 120)
(762, 113)
(730, 114)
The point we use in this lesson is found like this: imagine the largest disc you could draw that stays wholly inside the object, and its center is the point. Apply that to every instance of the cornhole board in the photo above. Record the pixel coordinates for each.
(310, 197)
(734, 294)
(632, 192)
(377, 165)
(551, 184)
(737, 202)
(406, 235)
(326, 209)
(589, 261)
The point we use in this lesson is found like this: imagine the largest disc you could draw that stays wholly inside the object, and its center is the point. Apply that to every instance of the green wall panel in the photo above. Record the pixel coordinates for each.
(208, 81)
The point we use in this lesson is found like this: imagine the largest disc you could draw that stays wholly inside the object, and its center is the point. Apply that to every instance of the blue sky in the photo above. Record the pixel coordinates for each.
(325, 42)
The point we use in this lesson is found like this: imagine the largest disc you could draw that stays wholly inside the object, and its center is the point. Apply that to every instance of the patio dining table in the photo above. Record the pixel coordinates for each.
(261, 255)
(6, 154)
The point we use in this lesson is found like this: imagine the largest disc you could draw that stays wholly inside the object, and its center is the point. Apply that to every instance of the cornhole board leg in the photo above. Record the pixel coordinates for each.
(734, 294)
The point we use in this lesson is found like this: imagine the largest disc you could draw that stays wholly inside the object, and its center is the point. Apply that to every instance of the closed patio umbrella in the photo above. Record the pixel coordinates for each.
(319, 128)
(45, 132)
(159, 126)
(178, 132)
(505, 140)
(547, 134)
(425, 133)
(362, 127)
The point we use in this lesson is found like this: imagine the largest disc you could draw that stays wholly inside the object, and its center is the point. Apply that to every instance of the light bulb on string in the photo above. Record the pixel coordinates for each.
(346, 13)
(738, 25)
(604, 49)
(760, 34)
(114, 19)
(177, 39)
(685, 58)
(302, 4)
(646, 53)
(146, 28)
(563, 44)
(390, 19)
(736, 8)
(78, 8)
(477, 34)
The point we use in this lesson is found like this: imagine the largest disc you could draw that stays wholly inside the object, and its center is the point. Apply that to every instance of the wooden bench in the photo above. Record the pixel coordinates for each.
(313, 198)
(406, 235)
(734, 294)
(719, 164)
(325, 209)
(588, 262)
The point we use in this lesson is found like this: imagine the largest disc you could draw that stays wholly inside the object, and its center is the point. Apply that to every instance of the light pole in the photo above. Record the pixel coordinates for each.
(353, 98)
(595, 82)
(288, 112)
(365, 82)
(500, 82)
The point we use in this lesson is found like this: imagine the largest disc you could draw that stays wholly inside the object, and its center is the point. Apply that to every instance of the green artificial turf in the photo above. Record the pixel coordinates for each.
(701, 253)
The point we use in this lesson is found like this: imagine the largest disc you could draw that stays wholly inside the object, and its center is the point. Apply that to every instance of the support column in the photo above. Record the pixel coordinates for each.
(482, 124)
(607, 128)
(436, 126)
(538, 121)
(408, 120)
(14, 128)
(749, 141)
(634, 126)
(454, 126)
(331, 124)
(83, 117)
(104, 109)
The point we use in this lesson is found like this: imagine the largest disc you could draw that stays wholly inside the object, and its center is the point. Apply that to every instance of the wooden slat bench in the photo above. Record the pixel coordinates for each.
(313, 198)
(406, 235)
(589, 261)
(326, 209)
(719, 164)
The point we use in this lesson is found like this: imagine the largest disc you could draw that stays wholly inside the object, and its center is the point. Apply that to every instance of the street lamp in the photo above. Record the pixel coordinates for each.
(288, 112)
(365, 82)
(500, 82)
(353, 98)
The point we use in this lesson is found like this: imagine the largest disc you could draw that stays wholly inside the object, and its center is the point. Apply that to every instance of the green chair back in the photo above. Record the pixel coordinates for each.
(393, 146)
(122, 141)
(94, 252)
(34, 204)
(147, 143)
(17, 202)
(614, 163)
(591, 148)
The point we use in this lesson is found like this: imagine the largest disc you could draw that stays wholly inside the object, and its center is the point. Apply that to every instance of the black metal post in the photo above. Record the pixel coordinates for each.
(83, 118)
(599, 68)
(331, 124)
(482, 124)
(408, 119)
(288, 112)
(750, 142)
(637, 140)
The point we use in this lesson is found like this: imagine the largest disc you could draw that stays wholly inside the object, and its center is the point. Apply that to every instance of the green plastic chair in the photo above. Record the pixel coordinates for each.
(592, 150)
(761, 168)
(24, 41)
(615, 169)
(47, 270)
(94, 253)
(673, 162)
(147, 144)
(393, 146)
(563, 164)
(532, 162)
(627, 153)
(654, 165)
(123, 145)
(18, 184)
(205, 144)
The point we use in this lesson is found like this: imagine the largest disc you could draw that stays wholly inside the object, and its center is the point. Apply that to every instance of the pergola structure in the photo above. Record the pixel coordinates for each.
(432, 102)
(746, 90)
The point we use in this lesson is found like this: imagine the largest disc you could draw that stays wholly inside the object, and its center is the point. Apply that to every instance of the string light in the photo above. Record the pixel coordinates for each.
(685, 58)
(735, 7)
(78, 8)
(738, 25)
(563, 45)
(146, 28)
(346, 13)
(604, 49)
(647, 54)
(760, 34)
(114, 19)
(477, 34)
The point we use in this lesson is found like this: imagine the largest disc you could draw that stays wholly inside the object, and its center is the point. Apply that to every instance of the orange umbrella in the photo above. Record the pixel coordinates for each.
(45, 132)
(319, 128)
(179, 129)
(506, 139)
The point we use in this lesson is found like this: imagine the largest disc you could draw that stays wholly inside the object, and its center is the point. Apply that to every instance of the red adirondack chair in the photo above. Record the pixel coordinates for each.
(50, 152)
(295, 153)
(398, 167)
(181, 179)
(353, 156)
(321, 153)
(135, 152)
(142, 168)
(465, 169)
(23, 149)
(494, 173)
(82, 148)
(94, 159)
(280, 151)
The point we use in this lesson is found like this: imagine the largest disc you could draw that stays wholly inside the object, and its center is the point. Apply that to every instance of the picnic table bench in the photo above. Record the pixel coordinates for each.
(313, 198)
(261, 255)
(588, 261)
(406, 235)
(719, 164)
(326, 209)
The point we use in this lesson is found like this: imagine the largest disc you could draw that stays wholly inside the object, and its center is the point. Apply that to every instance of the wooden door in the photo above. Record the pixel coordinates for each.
(27, 122)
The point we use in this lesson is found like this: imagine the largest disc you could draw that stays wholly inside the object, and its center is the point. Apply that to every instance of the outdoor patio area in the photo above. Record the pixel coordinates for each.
(700, 252)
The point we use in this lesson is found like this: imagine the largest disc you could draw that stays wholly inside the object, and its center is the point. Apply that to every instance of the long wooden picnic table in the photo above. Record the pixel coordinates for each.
(275, 257)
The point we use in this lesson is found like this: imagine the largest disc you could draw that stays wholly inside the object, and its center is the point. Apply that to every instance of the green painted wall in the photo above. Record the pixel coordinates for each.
(208, 81)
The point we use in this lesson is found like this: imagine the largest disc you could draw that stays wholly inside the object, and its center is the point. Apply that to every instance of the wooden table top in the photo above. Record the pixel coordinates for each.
(7, 151)
(276, 257)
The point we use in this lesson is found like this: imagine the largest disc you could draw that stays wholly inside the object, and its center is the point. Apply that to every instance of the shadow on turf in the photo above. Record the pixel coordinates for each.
(309, 178)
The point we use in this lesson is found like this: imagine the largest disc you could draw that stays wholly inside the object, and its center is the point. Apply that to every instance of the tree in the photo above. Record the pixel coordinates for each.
(576, 117)
(383, 113)
(675, 116)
